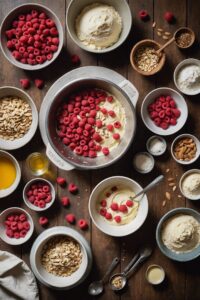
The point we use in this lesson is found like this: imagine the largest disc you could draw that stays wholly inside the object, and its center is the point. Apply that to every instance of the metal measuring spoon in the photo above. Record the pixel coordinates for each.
(95, 288)
(123, 277)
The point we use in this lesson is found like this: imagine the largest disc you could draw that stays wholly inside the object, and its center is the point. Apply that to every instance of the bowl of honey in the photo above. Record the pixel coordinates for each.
(10, 169)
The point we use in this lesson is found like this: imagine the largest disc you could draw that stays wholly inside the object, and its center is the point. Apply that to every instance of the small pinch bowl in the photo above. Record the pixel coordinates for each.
(146, 43)
(191, 171)
(24, 8)
(14, 241)
(32, 206)
(151, 138)
(182, 136)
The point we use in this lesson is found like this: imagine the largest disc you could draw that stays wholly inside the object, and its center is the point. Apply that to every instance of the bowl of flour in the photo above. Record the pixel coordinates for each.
(187, 76)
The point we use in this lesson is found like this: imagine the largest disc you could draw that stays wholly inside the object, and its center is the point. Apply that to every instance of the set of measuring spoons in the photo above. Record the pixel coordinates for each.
(119, 280)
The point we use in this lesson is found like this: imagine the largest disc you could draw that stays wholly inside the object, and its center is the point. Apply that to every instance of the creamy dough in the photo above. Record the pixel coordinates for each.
(181, 233)
(98, 26)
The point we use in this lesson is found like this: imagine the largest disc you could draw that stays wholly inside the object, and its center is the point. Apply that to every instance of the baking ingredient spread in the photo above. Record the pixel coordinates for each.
(7, 173)
(191, 185)
(188, 78)
(181, 233)
(98, 26)
(116, 206)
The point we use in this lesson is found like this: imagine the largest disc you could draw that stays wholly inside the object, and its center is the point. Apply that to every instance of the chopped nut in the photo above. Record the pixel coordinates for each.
(160, 29)
(159, 33)
(167, 33)
(167, 170)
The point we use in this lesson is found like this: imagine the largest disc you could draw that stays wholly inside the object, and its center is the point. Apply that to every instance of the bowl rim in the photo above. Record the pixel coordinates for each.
(21, 241)
(29, 204)
(160, 138)
(13, 187)
(197, 142)
(181, 181)
(170, 90)
(185, 62)
(35, 119)
(183, 257)
(161, 62)
(91, 199)
(147, 154)
(110, 48)
(61, 37)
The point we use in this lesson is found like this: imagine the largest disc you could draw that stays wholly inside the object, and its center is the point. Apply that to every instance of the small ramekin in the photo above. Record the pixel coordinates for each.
(181, 183)
(156, 266)
(159, 138)
(144, 171)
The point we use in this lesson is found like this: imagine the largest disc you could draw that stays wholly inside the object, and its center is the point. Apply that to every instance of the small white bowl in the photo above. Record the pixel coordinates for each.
(182, 64)
(24, 8)
(181, 183)
(162, 278)
(18, 143)
(34, 207)
(159, 138)
(14, 241)
(181, 105)
(12, 188)
(186, 135)
(117, 230)
(121, 6)
(140, 170)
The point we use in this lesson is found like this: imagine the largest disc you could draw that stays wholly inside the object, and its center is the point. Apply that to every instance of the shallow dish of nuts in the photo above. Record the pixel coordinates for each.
(185, 149)
(61, 258)
(18, 118)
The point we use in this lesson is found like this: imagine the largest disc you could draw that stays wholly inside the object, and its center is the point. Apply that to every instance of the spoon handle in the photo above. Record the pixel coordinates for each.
(150, 186)
(131, 263)
(165, 45)
(110, 269)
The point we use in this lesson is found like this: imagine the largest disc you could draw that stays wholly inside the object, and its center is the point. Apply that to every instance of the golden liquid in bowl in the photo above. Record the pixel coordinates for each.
(7, 173)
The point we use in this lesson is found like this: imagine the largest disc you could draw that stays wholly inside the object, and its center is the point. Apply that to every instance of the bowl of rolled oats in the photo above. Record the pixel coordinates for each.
(61, 258)
(18, 118)
(145, 59)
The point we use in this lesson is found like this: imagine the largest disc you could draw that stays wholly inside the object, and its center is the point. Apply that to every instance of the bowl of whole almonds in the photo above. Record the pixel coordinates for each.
(18, 118)
(185, 149)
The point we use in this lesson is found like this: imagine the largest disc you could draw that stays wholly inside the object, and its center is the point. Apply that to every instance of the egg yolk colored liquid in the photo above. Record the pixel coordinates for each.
(7, 173)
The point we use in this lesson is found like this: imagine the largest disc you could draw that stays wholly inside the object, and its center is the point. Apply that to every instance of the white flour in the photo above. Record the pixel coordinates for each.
(188, 78)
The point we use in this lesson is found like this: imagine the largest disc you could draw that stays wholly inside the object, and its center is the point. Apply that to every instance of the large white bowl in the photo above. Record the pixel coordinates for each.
(12, 188)
(121, 6)
(181, 105)
(117, 230)
(57, 282)
(18, 143)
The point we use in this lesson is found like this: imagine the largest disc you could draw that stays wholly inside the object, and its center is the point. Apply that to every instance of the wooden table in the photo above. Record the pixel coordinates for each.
(182, 279)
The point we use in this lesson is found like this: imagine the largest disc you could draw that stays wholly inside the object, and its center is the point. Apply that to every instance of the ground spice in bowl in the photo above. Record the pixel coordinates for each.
(184, 37)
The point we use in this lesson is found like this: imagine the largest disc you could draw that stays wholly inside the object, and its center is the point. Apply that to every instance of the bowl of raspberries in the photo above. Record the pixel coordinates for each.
(39, 194)
(164, 111)
(16, 226)
(31, 36)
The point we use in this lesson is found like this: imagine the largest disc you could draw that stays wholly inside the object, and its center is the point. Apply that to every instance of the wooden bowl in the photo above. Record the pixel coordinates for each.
(184, 30)
(145, 43)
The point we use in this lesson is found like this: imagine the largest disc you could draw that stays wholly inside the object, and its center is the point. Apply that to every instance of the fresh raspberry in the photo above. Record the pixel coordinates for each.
(61, 181)
(110, 127)
(20, 225)
(176, 112)
(123, 208)
(22, 217)
(108, 216)
(9, 233)
(42, 204)
(161, 114)
(75, 59)
(72, 188)
(104, 111)
(116, 136)
(65, 201)
(97, 137)
(70, 218)
(117, 124)
(26, 225)
(172, 103)
(39, 83)
(109, 99)
(143, 14)
(25, 83)
(129, 203)
(169, 17)
(83, 224)
(103, 203)
(111, 113)
(114, 206)
(103, 212)
(117, 219)
(43, 221)
(173, 121)
(23, 233)
(16, 235)
(105, 151)
(46, 188)
(157, 121)
(164, 125)
(99, 123)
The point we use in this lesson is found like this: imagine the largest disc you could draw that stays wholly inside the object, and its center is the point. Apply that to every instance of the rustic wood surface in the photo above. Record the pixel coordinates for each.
(182, 280)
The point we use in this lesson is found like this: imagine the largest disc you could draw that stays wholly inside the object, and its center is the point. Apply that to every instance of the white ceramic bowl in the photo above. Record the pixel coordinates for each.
(140, 170)
(5, 25)
(181, 105)
(181, 184)
(182, 64)
(12, 188)
(18, 143)
(29, 204)
(159, 138)
(121, 6)
(181, 136)
(103, 225)
(14, 241)
(57, 282)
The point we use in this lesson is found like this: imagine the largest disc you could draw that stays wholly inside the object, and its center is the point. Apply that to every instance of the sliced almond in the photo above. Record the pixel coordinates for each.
(159, 33)
(179, 196)
(167, 33)
(164, 203)
(174, 188)
(167, 170)
(160, 29)
(168, 195)
(171, 184)
(154, 24)
(170, 179)
(165, 37)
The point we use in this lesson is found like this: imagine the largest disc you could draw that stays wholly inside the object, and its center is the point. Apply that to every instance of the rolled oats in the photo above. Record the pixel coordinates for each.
(146, 59)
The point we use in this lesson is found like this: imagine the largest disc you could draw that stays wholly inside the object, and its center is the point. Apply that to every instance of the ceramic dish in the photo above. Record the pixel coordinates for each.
(148, 143)
(12, 188)
(189, 172)
(182, 64)
(121, 6)
(56, 282)
(183, 257)
(32, 206)
(181, 105)
(141, 170)
(156, 280)
(8, 20)
(14, 241)
(182, 136)
(101, 223)
(18, 143)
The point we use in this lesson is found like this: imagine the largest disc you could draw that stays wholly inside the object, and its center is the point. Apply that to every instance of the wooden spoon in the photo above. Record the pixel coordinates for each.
(165, 45)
